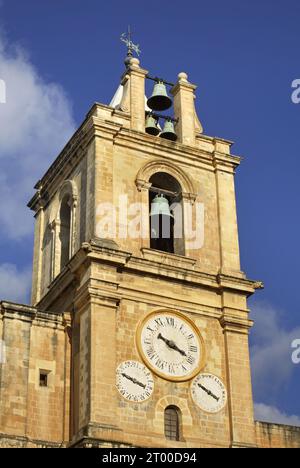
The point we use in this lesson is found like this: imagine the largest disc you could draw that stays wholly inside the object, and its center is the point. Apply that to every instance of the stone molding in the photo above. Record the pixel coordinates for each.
(158, 165)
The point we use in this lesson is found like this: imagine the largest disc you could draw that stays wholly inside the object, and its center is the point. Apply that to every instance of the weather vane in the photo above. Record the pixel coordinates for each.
(131, 47)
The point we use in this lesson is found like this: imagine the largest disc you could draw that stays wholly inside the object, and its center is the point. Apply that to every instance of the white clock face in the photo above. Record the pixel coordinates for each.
(171, 346)
(134, 381)
(209, 393)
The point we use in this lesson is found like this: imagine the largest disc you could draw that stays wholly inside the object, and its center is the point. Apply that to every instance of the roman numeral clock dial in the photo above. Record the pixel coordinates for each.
(134, 381)
(171, 345)
(209, 393)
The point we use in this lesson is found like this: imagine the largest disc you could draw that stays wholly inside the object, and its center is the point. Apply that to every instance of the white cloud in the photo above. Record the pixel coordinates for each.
(271, 414)
(35, 124)
(272, 366)
(14, 284)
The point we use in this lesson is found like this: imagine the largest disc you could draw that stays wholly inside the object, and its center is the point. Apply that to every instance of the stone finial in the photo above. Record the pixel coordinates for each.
(132, 62)
(183, 77)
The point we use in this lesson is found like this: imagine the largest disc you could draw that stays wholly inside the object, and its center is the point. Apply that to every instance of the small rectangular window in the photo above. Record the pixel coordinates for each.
(44, 379)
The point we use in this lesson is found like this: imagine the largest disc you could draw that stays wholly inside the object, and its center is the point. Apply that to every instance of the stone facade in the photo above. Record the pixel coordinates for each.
(58, 379)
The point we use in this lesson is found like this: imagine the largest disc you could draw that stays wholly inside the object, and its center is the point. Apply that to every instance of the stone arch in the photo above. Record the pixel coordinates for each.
(67, 190)
(162, 404)
(186, 210)
(152, 167)
(69, 187)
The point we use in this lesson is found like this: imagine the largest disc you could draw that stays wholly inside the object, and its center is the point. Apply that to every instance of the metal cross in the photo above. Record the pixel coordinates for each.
(131, 47)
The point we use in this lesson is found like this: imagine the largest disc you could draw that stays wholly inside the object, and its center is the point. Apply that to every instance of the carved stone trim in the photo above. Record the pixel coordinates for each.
(152, 167)
(142, 185)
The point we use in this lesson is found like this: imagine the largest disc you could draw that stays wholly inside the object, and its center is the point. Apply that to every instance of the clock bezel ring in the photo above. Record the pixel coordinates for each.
(191, 323)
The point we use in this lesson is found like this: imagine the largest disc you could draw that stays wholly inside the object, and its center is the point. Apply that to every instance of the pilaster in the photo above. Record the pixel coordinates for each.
(240, 398)
(184, 110)
(136, 77)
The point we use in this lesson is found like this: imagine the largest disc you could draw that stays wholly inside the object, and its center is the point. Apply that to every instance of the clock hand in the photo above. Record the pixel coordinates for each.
(183, 353)
(171, 344)
(209, 393)
(133, 380)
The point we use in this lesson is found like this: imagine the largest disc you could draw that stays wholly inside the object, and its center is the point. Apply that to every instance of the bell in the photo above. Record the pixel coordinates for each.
(159, 100)
(161, 224)
(151, 125)
(168, 132)
(160, 206)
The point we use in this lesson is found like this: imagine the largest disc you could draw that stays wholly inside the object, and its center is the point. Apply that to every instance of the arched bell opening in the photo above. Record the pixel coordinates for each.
(65, 230)
(166, 214)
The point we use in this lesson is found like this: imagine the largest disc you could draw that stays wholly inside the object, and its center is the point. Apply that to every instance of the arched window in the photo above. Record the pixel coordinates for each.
(65, 230)
(172, 423)
(64, 227)
(166, 214)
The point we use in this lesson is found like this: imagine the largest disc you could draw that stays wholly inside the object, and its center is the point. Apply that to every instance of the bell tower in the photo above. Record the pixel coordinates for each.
(136, 247)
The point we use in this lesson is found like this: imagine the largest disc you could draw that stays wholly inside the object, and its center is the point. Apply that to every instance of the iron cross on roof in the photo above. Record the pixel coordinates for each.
(131, 47)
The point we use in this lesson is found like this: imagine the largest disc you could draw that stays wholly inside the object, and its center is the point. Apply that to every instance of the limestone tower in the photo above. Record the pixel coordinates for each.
(138, 330)
(109, 286)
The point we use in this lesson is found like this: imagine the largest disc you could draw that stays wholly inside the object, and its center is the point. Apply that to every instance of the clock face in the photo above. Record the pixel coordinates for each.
(134, 381)
(171, 345)
(209, 393)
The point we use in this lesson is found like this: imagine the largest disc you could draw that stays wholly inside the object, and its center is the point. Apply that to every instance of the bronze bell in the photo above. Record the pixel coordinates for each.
(160, 206)
(151, 125)
(161, 224)
(159, 101)
(168, 132)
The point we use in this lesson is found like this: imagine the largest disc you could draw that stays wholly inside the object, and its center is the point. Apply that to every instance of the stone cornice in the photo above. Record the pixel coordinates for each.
(132, 69)
(97, 106)
(225, 163)
(169, 259)
(89, 293)
(62, 166)
(170, 266)
(235, 324)
(183, 84)
(188, 155)
(214, 140)
(167, 267)
(26, 313)
(276, 426)
(179, 274)
(228, 282)
(106, 130)
(163, 148)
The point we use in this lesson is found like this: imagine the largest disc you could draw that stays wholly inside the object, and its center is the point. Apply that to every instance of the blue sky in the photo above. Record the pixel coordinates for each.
(59, 57)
